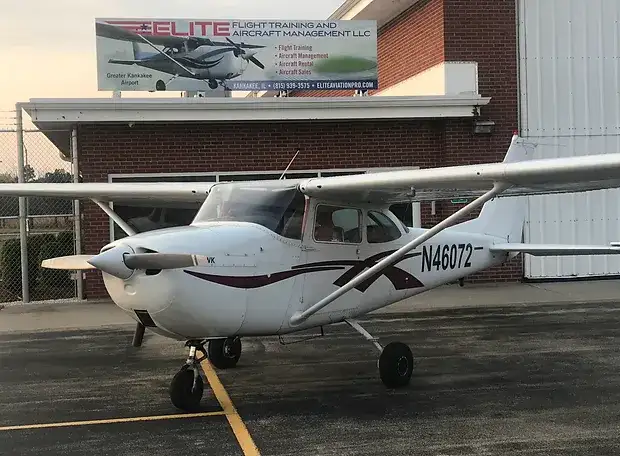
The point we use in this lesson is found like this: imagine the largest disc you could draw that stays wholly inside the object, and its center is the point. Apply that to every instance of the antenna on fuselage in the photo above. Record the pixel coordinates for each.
(289, 165)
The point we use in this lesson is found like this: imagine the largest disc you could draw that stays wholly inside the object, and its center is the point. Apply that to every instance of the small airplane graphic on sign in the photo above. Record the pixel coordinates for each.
(183, 56)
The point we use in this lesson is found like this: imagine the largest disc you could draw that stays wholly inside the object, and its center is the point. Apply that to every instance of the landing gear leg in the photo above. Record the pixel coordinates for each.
(187, 385)
(395, 361)
(224, 353)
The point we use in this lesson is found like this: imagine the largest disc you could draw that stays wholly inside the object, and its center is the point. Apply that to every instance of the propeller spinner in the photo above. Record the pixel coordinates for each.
(247, 55)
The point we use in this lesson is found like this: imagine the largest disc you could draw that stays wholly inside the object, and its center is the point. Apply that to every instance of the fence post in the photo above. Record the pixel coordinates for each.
(23, 234)
(76, 211)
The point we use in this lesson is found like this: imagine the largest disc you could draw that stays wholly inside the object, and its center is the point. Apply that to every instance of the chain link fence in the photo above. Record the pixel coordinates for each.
(49, 222)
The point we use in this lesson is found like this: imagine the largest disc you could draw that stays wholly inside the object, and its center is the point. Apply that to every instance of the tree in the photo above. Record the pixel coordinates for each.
(29, 174)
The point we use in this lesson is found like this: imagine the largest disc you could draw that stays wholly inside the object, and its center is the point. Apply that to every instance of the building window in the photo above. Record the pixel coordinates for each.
(337, 224)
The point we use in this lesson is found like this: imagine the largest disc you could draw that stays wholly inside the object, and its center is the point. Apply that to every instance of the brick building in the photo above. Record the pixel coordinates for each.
(444, 65)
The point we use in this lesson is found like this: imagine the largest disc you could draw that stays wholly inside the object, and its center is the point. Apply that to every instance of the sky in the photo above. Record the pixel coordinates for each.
(48, 47)
(47, 50)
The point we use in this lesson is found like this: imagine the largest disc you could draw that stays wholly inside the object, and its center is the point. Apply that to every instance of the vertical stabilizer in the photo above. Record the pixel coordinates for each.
(503, 217)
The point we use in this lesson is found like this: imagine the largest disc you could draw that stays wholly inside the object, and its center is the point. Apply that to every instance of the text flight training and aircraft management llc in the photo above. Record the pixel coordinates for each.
(213, 55)
(269, 258)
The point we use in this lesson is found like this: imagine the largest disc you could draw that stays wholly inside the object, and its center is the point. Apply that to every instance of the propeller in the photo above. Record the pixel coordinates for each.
(247, 55)
(120, 261)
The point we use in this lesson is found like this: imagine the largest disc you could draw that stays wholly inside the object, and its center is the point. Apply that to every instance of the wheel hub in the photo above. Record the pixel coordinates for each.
(402, 366)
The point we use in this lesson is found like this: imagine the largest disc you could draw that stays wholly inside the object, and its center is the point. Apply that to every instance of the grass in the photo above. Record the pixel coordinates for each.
(345, 64)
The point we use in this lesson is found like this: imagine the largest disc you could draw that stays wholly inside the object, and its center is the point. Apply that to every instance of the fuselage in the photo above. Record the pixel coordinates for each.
(257, 278)
(204, 62)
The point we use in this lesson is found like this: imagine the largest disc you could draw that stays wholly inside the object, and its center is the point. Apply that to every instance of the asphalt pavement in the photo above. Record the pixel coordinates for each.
(493, 377)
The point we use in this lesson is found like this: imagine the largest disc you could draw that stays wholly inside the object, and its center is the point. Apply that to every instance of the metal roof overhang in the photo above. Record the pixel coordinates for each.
(383, 11)
(56, 117)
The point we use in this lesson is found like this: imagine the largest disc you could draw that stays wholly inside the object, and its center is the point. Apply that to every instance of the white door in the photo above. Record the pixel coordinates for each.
(331, 250)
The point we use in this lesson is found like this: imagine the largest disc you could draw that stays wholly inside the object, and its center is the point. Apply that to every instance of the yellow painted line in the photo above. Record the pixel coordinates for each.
(248, 446)
(111, 421)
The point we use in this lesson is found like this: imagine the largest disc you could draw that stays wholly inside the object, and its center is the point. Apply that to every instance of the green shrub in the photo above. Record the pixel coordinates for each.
(67, 242)
(41, 280)
(53, 278)
(35, 242)
(10, 256)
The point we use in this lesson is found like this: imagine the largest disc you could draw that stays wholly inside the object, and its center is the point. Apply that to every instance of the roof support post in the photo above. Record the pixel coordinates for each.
(299, 317)
(23, 231)
(77, 218)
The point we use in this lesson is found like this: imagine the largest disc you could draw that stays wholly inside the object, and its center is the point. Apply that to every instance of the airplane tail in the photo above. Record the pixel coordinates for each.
(503, 218)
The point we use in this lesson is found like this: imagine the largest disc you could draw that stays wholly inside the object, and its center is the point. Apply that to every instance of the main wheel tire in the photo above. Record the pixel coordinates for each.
(181, 393)
(395, 365)
(224, 353)
(160, 86)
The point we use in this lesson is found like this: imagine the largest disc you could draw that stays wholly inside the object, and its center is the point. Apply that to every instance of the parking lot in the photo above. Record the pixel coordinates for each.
(489, 381)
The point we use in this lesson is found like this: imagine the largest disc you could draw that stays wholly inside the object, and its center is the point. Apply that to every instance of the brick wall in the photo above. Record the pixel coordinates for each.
(407, 45)
(485, 31)
(433, 30)
(155, 148)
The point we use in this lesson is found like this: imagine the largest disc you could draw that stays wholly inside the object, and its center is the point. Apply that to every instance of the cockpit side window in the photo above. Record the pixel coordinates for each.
(337, 224)
(276, 206)
(292, 220)
(380, 228)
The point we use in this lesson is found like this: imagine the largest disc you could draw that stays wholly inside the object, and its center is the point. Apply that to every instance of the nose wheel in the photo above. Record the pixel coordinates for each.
(187, 386)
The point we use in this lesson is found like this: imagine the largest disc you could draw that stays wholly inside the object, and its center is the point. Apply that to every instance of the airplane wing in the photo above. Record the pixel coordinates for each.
(525, 177)
(115, 32)
(191, 192)
(555, 250)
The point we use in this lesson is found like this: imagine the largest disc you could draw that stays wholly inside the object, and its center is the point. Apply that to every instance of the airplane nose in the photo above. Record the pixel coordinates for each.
(112, 261)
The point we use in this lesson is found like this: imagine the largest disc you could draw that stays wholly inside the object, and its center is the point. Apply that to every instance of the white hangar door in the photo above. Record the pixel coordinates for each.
(569, 58)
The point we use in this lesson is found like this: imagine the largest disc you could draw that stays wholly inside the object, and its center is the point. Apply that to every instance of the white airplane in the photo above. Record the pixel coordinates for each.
(270, 258)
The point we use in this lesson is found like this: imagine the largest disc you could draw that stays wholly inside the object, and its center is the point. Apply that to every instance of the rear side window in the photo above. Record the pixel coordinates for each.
(338, 224)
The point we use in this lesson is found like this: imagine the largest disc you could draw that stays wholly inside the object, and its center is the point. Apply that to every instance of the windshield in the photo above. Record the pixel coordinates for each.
(276, 206)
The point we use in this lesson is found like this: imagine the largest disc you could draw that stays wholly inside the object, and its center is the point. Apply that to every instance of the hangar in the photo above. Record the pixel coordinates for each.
(456, 79)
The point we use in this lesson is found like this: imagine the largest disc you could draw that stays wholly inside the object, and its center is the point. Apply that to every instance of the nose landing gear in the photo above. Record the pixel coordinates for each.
(187, 386)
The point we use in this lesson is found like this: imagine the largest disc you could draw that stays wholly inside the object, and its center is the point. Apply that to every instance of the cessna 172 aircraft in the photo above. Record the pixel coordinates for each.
(276, 257)
(188, 57)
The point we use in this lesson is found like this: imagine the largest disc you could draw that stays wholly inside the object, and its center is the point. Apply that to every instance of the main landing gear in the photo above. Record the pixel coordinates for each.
(187, 385)
(395, 359)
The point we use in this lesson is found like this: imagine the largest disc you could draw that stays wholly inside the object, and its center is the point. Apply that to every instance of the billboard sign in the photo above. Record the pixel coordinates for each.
(213, 54)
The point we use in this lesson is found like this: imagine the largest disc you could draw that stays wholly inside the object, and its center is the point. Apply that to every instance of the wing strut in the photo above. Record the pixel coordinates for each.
(114, 216)
(299, 317)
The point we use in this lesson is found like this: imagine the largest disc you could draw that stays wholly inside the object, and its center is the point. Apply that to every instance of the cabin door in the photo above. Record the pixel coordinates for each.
(330, 255)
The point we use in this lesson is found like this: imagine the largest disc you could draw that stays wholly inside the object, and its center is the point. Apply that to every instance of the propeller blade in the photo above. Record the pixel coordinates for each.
(234, 44)
(257, 62)
(164, 260)
(120, 261)
(71, 262)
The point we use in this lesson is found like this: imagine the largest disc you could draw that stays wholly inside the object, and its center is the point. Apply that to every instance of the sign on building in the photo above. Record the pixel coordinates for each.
(213, 54)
